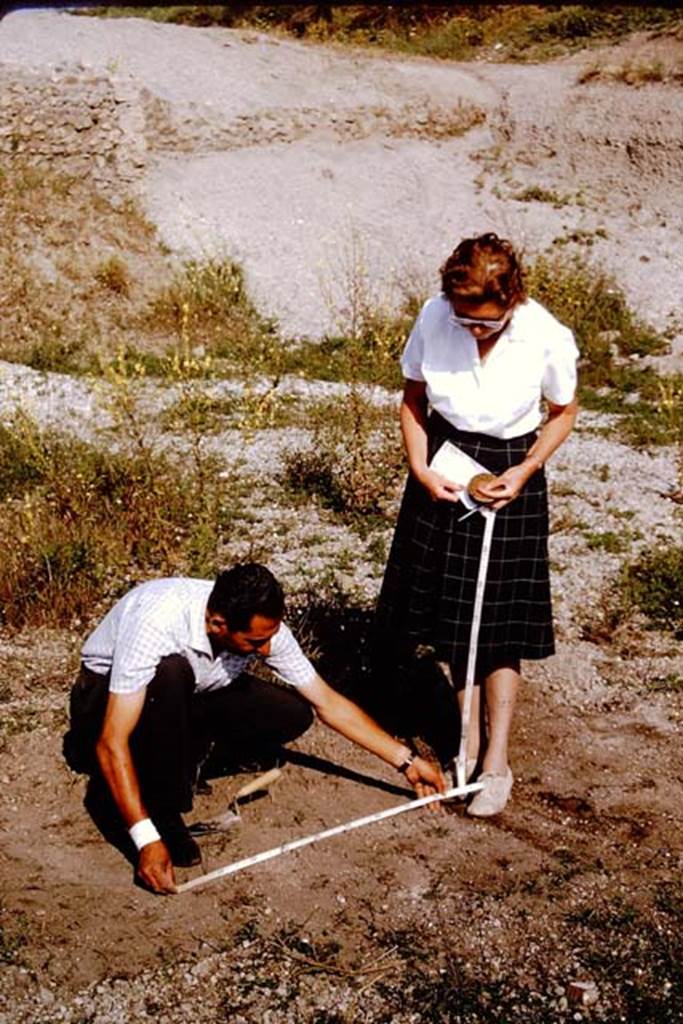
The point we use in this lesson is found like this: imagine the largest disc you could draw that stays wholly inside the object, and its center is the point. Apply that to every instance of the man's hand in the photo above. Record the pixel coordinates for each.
(155, 870)
(426, 779)
(438, 487)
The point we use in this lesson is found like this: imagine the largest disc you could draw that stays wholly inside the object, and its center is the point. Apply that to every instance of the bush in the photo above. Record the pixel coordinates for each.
(207, 305)
(654, 584)
(80, 524)
(590, 302)
(354, 463)
(455, 32)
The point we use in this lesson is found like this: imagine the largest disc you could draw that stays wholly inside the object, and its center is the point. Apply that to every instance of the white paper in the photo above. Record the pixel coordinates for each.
(453, 464)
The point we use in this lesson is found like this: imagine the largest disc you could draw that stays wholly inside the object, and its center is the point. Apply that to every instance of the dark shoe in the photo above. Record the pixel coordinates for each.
(183, 849)
(224, 762)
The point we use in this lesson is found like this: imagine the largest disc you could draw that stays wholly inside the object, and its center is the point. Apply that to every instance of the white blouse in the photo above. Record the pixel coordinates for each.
(534, 358)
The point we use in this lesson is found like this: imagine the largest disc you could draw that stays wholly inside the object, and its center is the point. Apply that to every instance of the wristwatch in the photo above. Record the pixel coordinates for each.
(406, 763)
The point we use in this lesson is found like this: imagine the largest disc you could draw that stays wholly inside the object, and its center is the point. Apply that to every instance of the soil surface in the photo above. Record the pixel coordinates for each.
(426, 917)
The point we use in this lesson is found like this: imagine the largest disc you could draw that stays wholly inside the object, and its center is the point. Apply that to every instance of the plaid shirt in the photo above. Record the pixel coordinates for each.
(165, 617)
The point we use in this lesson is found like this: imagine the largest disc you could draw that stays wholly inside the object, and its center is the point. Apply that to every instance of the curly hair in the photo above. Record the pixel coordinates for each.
(244, 591)
(484, 269)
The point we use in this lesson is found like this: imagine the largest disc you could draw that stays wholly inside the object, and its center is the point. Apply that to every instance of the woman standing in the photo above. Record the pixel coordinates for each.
(480, 359)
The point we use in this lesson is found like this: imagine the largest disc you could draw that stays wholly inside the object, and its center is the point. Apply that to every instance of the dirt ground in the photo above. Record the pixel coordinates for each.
(425, 918)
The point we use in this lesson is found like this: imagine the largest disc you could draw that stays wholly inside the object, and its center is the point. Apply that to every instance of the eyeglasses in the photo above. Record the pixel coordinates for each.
(471, 321)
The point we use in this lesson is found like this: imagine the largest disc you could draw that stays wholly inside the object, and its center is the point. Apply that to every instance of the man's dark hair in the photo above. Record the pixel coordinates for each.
(244, 591)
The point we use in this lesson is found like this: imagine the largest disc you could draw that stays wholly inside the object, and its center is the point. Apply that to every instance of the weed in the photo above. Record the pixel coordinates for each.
(377, 551)
(657, 416)
(13, 935)
(503, 32)
(592, 304)
(602, 623)
(580, 236)
(369, 334)
(438, 123)
(113, 274)
(634, 74)
(207, 308)
(654, 584)
(562, 490)
(71, 539)
(353, 464)
(612, 543)
(62, 307)
(537, 194)
(670, 683)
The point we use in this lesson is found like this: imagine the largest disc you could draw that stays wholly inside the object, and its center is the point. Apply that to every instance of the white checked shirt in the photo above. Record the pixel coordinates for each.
(167, 616)
(535, 357)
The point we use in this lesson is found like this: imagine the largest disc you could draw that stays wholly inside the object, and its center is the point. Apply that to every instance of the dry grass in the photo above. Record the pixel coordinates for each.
(76, 270)
(521, 32)
(635, 72)
(70, 540)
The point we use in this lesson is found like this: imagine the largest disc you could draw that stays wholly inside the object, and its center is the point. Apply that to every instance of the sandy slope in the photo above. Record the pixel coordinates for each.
(293, 203)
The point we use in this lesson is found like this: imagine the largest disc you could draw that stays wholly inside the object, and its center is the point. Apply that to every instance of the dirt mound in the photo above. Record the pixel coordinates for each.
(295, 159)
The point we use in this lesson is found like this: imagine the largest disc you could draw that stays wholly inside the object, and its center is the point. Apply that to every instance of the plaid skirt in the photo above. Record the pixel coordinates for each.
(427, 596)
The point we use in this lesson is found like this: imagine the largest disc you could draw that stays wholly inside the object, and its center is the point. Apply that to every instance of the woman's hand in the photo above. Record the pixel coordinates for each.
(426, 779)
(506, 487)
(438, 487)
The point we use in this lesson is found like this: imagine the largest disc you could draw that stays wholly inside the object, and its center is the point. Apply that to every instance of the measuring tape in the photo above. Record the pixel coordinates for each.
(489, 523)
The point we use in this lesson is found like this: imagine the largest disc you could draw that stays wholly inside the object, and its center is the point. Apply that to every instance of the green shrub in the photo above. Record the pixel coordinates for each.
(657, 417)
(609, 541)
(591, 303)
(611, 340)
(368, 352)
(654, 584)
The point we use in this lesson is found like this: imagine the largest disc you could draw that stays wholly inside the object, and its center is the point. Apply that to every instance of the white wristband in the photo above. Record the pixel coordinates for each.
(143, 833)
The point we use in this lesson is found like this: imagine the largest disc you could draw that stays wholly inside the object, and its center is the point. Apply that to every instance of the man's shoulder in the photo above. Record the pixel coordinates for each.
(169, 592)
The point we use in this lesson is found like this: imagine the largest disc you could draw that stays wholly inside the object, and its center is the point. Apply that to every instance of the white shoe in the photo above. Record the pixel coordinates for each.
(493, 797)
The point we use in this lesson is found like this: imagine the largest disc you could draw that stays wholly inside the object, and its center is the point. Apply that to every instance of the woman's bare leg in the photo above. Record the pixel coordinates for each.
(501, 688)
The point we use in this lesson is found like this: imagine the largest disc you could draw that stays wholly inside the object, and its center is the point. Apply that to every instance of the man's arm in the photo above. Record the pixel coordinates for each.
(350, 721)
(114, 757)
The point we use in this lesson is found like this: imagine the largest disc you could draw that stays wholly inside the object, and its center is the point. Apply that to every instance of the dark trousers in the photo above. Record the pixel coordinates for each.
(179, 726)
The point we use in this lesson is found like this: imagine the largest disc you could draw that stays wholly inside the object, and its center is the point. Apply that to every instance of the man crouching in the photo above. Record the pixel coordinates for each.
(163, 677)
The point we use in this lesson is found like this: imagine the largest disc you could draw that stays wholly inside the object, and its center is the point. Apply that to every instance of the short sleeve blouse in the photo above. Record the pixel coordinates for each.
(535, 357)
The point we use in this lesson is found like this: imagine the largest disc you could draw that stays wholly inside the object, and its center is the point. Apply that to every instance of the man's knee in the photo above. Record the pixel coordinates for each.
(297, 715)
(172, 684)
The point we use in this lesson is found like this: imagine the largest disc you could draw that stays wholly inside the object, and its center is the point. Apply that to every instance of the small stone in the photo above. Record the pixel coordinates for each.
(46, 996)
(585, 993)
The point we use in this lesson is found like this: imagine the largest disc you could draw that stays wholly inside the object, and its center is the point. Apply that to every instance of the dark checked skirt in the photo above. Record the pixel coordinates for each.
(427, 596)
